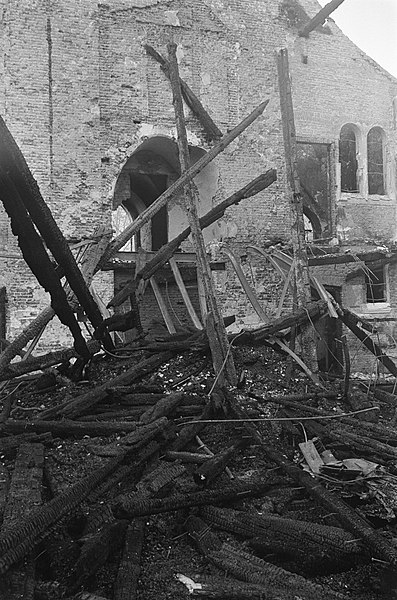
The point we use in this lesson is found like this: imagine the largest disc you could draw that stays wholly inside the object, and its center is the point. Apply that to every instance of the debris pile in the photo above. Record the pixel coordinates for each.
(155, 480)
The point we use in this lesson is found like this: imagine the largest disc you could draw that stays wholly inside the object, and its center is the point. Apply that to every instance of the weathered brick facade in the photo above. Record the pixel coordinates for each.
(83, 99)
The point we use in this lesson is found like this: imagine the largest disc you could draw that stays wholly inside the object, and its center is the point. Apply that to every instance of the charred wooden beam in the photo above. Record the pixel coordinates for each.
(28, 531)
(37, 259)
(188, 432)
(139, 508)
(10, 444)
(44, 361)
(326, 548)
(301, 270)
(320, 17)
(220, 588)
(341, 259)
(178, 185)
(377, 544)
(163, 408)
(210, 128)
(95, 553)
(84, 402)
(221, 356)
(13, 162)
(68, 428)
(24, 497)
(352, 322)
(126, 584)
(249, 568)
(279, 582)
(307, 314)
(217, 463)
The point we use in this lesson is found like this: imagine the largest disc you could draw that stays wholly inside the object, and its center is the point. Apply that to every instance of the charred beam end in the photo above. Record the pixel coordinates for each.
(320, 17)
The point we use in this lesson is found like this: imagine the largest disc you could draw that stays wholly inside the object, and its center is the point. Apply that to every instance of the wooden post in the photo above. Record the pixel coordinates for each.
(302, 278)
(212, 131)
(320, 17)
(221, 356)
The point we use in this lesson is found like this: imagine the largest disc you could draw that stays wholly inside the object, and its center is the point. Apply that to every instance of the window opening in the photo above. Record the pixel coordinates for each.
(348, 159)
(376, 180)
(121, 218)
(313, 171)
(375, 281)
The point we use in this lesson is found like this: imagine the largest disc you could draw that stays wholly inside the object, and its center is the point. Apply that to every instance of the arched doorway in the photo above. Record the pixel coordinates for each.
(149, 171)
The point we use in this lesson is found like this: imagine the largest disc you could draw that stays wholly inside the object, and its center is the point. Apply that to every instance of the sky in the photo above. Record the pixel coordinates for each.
(372, 26)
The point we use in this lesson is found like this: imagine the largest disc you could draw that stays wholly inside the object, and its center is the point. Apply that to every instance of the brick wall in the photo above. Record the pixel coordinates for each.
(80, 95)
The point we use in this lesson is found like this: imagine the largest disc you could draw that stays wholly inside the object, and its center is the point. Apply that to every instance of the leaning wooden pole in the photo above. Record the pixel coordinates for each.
(320, 17)
(163, 255)
(302, 278)
(178, 185)
(221, 356)
(13, 162)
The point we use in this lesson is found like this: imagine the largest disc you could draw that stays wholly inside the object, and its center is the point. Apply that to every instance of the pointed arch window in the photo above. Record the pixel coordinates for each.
(375, 153)
(348, 159)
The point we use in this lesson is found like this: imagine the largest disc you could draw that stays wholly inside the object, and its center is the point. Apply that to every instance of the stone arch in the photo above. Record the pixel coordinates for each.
(148, 172)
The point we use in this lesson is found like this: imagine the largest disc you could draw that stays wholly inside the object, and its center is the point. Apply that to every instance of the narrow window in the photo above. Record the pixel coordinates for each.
(376, 180)
(348, 159)
(375, 281)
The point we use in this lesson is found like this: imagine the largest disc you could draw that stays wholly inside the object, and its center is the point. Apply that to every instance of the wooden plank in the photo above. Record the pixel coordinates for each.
(287, 284)
(162, 306)
(185, 296)
(246, 286)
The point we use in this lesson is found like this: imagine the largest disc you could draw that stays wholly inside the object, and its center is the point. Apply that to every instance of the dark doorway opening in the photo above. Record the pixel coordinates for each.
(329, 330)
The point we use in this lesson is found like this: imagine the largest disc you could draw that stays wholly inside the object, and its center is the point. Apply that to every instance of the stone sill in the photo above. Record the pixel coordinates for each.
(360, 199)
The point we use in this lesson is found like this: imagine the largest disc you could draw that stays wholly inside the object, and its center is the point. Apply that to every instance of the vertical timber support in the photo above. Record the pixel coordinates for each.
(221, 356)
(302, 278)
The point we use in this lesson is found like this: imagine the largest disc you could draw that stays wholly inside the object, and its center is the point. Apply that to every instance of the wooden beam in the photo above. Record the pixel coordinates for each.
(178, 185)
(216, 332)
(302, 278)
(352, 322)
(184, 293)
(320, 17)
(210, 128)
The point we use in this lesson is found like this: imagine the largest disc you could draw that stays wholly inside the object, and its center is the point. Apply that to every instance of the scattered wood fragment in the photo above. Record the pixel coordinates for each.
(86, 401)
(214, 467)
(249, 568)
(163, 408)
